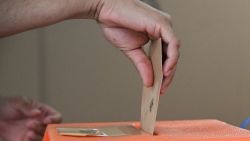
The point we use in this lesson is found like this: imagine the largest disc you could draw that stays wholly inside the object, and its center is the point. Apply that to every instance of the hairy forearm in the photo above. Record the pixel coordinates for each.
(20, 15)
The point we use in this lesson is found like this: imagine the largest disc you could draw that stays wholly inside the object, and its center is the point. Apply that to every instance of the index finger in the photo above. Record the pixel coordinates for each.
(51, 115)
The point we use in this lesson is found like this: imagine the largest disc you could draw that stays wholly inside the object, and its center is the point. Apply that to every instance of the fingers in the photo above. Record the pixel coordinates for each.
(25, 106)
(51, 115)
(167, 81)
(42, 112)
(32, 136)
(36, 110)
(171, 47)
(130, 42)
(170, 50)
(123, 38)
(143, 65)
(53, 119)
(36, 126)
(141, 18)
(172, 54)
(161, 26)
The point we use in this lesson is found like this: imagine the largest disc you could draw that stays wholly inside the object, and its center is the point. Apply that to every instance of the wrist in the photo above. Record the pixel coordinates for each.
(87, 9)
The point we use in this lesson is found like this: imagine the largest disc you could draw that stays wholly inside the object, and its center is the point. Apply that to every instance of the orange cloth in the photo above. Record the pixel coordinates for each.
(190, 130)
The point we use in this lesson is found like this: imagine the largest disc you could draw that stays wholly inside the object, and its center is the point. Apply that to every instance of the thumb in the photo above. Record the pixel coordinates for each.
(142, 63)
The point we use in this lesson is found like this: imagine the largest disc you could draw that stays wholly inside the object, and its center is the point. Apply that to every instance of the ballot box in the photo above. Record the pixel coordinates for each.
(185, 130)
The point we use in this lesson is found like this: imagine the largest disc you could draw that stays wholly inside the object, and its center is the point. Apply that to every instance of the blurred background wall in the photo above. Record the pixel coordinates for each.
(74, 69)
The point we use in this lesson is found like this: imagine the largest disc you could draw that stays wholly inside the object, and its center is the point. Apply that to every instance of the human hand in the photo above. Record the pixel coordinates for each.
(127, 24)
(130, 24)
(23, 119)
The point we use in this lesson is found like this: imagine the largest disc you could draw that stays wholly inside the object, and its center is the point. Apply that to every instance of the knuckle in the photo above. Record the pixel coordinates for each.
(178, 56)
(144, 61)
(163, 17)
(176, 42)
(166, 18)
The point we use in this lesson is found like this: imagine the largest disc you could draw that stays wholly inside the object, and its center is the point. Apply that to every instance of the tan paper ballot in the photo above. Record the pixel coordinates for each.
(150, 95)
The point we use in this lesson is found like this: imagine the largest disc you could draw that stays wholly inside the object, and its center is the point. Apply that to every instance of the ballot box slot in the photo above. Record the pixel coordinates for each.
(155, 133)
